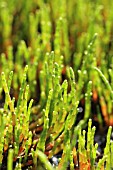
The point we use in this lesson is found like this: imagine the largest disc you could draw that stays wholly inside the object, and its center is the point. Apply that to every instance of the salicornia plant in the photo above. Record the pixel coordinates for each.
(56, 84)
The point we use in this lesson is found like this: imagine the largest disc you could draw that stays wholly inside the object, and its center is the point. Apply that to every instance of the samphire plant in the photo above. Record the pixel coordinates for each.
(56, 85)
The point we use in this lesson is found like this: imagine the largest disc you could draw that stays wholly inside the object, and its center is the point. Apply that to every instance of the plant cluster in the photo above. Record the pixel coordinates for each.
(56, 84)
